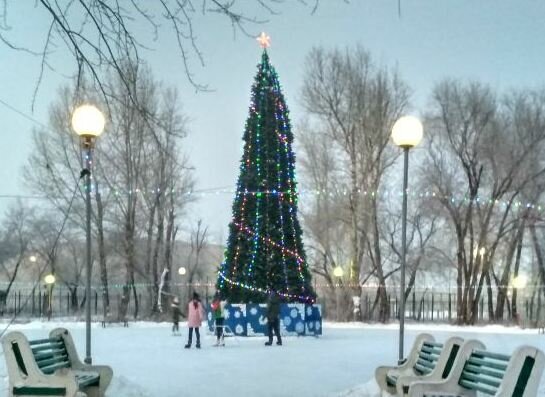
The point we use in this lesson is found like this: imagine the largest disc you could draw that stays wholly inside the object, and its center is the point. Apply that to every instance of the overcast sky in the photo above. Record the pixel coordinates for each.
(497, 42)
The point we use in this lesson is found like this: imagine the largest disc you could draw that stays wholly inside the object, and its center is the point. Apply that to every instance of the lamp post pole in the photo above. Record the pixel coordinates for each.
(88, 123)
(406, 133)
(338, 272)
(403, 252)
(49, 280)
(181, 272)
(88, 163)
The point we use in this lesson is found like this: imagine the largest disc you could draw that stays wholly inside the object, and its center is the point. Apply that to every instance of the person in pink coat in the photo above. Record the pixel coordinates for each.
(195, 315)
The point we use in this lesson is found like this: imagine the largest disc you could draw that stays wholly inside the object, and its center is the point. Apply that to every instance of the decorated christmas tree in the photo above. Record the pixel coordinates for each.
(265, 251)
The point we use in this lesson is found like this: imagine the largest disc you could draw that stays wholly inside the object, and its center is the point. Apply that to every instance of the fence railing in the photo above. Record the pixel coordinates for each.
(426, 305)
(37, 303)
(429, 305)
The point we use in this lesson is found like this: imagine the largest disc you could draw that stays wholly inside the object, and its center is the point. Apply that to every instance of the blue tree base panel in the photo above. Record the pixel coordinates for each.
(250, 319)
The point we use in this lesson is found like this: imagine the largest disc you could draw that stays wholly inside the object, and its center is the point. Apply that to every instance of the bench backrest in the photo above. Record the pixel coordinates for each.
(484, 372)
(427, 357)
(50, 354)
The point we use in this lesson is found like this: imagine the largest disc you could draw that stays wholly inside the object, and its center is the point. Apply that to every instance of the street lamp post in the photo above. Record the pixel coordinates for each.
(338, 272)
(181, 271)
(49, 280)
(519, 283)
(88, 123)
(406, 133)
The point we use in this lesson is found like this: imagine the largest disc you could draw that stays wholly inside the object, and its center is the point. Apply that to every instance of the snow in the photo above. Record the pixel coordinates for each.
(148, 361)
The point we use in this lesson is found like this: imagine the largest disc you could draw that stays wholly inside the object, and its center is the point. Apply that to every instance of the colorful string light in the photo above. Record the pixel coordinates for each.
(265, 237)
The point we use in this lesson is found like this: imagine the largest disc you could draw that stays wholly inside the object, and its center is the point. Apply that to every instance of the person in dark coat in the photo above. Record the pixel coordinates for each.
(273, 320)
(175, 316)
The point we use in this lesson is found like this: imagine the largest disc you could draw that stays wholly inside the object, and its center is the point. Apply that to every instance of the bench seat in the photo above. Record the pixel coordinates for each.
(85, 379)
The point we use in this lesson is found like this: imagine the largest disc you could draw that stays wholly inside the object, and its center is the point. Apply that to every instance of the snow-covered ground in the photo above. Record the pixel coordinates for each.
(149, 362)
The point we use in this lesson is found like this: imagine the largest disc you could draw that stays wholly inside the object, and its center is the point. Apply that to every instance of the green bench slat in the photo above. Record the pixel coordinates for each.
(485, 371)
(53, 360)
(87, 380)
(49, 346)
(485, 363)
(428, 357)
(391, 380)
(42, 341)
(39, 391)
(49, 369)
(424, 363)
(495, 356)
(433, 344)
(430, 350)
(477, 378)
(48, 354)
(422, 370)
(474, 386)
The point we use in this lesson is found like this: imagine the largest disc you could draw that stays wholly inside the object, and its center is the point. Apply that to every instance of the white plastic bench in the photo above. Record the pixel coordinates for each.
(51, 367)
(427, 359)
(478, 372)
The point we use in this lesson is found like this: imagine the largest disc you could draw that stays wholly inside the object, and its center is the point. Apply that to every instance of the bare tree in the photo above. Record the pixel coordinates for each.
(170, 179)
(198, 243)
(15, 239)
(140, 178)
(356, 103)
(54, 171)
(471, 176)
(101, 34)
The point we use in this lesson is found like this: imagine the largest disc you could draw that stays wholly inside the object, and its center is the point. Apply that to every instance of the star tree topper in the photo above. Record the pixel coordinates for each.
(264, 40)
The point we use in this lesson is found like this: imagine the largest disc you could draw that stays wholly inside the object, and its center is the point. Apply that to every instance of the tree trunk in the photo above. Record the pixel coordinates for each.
(514, 312)
(149, 244)
(155, 256)
(102, 254)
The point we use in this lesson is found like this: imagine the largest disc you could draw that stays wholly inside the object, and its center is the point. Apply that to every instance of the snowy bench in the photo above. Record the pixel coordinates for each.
(427, 360)
(480, 372)
(51, 367)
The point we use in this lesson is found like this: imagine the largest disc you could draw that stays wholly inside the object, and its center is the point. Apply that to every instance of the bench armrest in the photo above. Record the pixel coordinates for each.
(63, 333)
(412, 357)
(105, 372)
(404, 369)
(451, 349)
(518, 368)
(406, 381)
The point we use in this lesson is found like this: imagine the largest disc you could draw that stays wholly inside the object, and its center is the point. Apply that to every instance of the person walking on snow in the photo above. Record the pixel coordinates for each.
(218, 307)
(195, 315)
(273, 322)
(175, 316)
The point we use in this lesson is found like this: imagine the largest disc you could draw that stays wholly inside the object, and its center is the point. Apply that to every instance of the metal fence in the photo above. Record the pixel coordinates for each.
(427, 305)
(27, 303)
(422, 305)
